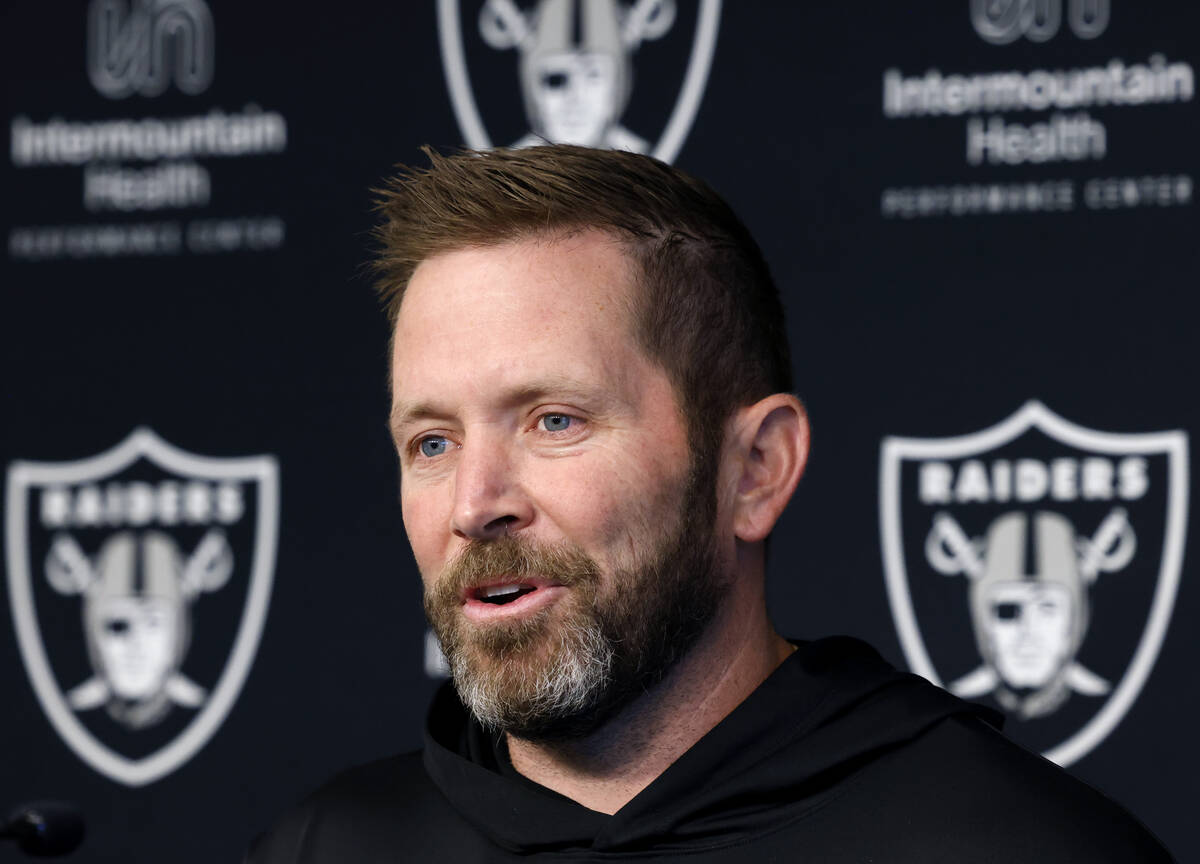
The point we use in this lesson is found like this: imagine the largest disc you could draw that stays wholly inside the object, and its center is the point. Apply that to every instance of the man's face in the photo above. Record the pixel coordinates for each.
(548, 491)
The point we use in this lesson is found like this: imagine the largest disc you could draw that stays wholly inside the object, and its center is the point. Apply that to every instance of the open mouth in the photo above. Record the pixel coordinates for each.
(499, 595)
(511, 600)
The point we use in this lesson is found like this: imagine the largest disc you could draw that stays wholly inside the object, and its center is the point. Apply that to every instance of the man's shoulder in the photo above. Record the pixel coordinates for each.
(382, 782)
(972, 788)
(358, 812)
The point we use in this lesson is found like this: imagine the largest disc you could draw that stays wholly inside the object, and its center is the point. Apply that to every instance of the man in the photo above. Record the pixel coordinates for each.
(590, 402)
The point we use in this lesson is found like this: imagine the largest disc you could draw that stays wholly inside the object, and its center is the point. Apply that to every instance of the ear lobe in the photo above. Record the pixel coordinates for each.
(772, 451)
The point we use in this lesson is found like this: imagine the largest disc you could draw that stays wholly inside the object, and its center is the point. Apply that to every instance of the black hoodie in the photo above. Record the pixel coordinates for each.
(836, 757)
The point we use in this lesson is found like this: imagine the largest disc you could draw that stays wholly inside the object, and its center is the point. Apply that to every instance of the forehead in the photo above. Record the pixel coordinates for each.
(488, 314)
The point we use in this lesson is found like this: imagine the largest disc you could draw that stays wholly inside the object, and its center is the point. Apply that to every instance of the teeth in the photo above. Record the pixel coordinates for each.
(499, 590)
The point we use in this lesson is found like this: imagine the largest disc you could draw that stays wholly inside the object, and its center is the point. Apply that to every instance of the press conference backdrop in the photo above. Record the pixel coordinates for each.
(982, 217)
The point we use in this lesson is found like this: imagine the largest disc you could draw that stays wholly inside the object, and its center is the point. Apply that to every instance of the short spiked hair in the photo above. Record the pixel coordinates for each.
(705, 306)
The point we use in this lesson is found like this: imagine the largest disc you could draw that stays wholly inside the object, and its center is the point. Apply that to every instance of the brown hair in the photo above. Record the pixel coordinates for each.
(705, 306)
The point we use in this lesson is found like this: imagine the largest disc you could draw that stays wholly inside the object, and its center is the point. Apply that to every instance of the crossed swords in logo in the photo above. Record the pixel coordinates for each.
(952, 553)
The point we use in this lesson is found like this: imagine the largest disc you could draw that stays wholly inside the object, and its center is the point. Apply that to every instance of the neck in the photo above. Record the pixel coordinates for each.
(604, 770)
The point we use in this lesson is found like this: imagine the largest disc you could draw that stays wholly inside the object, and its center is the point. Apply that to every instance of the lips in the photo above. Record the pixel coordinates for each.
(501, 594)
(509, 598)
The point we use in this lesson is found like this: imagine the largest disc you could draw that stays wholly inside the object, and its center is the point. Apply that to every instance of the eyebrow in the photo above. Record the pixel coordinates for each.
(596, 401)
(404, 413)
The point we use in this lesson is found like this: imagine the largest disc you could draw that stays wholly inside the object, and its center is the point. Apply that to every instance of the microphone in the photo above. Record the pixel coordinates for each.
(44, 829)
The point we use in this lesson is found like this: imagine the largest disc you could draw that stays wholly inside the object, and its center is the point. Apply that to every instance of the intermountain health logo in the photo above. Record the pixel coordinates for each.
(562, 71)
(1034, 564)
(139, 581)
(1003, 21)
(141, 46)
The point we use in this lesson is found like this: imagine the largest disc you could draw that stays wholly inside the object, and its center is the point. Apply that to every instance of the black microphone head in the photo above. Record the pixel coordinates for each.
(45, 828)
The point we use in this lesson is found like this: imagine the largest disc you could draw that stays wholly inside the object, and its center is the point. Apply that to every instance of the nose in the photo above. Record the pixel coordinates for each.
(489, 499)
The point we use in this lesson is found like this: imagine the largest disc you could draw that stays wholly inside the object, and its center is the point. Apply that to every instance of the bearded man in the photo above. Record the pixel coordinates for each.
(591, 403)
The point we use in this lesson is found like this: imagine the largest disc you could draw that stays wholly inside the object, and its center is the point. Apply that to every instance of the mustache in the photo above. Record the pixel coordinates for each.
(483, 562)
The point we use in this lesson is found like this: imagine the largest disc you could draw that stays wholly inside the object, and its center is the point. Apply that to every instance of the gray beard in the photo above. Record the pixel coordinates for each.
(562, 673)
(543, 700)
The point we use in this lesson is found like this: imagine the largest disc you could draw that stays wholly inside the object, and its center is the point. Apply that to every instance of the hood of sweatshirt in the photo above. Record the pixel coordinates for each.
(833, 706)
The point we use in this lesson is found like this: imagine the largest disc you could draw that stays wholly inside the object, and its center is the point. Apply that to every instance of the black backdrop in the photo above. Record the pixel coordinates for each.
(928, 297)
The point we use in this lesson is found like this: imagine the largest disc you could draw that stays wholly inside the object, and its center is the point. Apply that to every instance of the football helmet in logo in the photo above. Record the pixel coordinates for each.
(1028, 602)
(575, 66)
(137, 596)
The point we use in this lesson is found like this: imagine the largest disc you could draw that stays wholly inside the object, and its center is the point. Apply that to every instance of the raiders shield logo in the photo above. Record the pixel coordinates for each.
(139, 581)
(570, 64)
(1034, 565)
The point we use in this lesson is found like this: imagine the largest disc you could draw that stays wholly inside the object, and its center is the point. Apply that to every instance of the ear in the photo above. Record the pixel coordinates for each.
(770, 450)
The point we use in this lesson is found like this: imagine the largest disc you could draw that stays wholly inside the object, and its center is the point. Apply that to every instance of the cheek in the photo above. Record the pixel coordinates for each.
(427, 529)
(613, 506)
(569, 493)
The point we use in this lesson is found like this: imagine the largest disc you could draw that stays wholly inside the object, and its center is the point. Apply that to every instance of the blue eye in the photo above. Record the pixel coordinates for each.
(433, 446)
(556, 422)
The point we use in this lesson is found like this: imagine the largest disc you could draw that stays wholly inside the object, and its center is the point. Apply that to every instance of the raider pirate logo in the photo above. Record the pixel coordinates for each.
(571, 64)
(139, 582)
(1035, 564)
